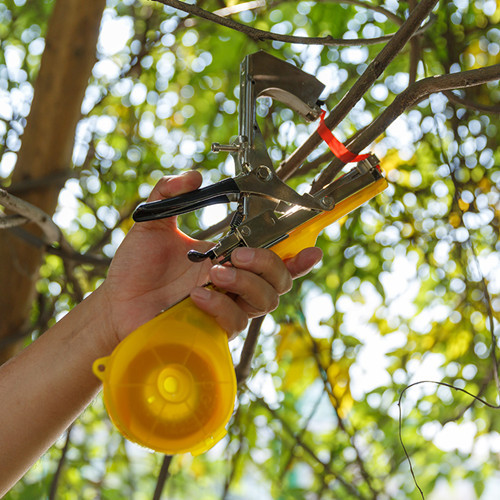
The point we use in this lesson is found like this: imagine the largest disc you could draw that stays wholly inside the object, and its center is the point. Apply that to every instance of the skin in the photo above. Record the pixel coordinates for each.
(51, 382)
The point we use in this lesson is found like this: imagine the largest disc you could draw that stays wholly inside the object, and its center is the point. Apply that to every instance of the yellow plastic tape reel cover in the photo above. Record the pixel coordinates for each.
(170, 385)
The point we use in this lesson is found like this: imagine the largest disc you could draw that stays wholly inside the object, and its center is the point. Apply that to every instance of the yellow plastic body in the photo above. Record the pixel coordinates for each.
(305, 235)
(170, 385)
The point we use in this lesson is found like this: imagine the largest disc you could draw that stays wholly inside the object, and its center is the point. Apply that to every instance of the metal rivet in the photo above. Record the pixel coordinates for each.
(264, 173)
(245, 231)
(326, 202)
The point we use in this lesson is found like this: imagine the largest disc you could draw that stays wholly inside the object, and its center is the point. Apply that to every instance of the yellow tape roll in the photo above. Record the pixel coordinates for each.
(170, 385)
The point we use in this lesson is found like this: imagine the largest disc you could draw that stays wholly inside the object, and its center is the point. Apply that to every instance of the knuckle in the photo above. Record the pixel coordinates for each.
(274, 302)
(287, 285)
(268, 259)
(241, 323)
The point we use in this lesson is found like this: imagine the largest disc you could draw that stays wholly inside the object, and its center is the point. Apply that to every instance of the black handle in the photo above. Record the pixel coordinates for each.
(188, 202)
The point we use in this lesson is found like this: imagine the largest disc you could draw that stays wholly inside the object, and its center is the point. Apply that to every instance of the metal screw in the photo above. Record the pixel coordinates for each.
(327, 202)
(245, 231)
(264, 173)
(229, 148)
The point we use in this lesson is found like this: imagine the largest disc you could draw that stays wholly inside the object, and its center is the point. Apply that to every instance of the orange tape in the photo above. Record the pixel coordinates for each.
(336, 147)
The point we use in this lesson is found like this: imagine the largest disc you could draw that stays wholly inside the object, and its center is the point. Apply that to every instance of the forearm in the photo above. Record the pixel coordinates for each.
(47, 386)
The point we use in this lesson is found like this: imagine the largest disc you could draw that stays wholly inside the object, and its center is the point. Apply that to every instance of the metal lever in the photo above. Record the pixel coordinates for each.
(184, 203)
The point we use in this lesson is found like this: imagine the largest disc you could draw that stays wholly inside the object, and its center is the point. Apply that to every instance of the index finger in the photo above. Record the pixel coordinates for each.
(265, 264)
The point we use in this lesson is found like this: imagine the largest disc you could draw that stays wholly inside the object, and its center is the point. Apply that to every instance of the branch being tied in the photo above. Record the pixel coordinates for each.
(408, 98)
(287, 169)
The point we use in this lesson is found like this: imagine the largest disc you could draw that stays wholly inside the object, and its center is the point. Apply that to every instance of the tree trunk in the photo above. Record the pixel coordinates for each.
(47, 145)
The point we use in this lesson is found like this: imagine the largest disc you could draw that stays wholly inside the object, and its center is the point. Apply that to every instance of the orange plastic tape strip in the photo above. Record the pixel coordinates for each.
(336, 147)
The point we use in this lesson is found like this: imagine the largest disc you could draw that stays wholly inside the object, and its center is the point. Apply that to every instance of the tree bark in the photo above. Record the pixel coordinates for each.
(47, 145)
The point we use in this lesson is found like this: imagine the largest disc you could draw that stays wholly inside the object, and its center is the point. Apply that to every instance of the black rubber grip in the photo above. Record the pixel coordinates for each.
(188, 202)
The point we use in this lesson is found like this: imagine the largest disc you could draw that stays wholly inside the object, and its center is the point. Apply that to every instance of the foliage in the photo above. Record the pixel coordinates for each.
(408, 289)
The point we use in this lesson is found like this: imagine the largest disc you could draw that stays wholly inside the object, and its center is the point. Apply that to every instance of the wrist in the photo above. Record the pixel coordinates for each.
(98, 311)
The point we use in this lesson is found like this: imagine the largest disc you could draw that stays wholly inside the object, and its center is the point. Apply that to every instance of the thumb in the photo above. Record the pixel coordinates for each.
(174, 185)
(169, 187)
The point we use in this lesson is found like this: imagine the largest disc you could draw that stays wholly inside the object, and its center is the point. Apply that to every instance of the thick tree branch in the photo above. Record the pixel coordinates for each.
(356, 92)
(47, 144)
(408, 98)
(261, 35)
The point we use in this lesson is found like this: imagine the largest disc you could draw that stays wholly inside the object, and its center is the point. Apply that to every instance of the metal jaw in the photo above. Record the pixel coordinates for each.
(264, 75)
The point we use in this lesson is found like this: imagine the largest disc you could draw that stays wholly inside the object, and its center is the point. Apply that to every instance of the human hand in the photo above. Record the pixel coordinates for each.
(150, 272)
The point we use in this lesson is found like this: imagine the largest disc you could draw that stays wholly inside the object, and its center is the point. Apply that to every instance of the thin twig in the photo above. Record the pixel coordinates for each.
(467, 103)
(450, 386)
(60, 464)
(376, 8)
(300, 441)
(414, 52)
(162, 477)
(239, 7)
(261, 35)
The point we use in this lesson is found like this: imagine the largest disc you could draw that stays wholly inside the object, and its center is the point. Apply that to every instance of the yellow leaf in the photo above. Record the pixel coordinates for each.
(428, 342)
(198, 468)
(302, 353)
(392, 161)
(455, 219)
(485, 184)
(464, 206)
(458, 345)
(127, 224)
(338, 376)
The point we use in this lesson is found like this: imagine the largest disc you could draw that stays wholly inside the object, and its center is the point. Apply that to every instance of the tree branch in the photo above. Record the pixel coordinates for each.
(300, 441)
(261, 35)
(66, 252)
(376, 8)
(60, 464)
(7, 221)
(244, 366)
(32, 213)
(162, 477)
(239, 7)
(356, 92)
(468, 103)
(51, 231)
